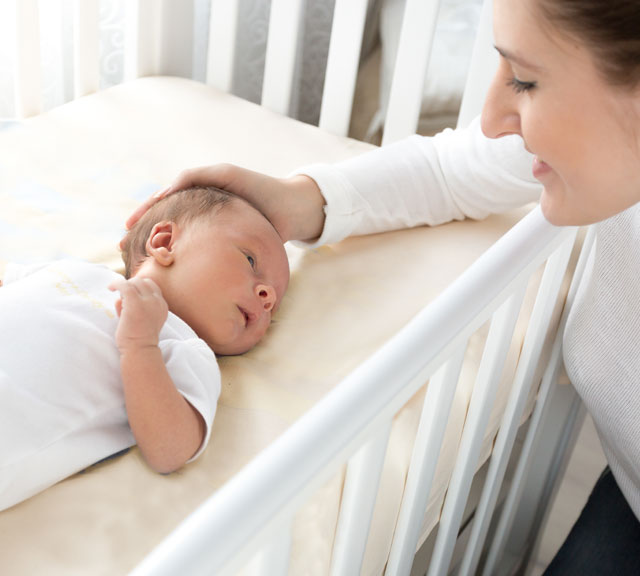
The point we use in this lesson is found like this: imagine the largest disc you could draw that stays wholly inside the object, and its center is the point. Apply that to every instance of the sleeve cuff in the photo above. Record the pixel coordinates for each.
(340, 213)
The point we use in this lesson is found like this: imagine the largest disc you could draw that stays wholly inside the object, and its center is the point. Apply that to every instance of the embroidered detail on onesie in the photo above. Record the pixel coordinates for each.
(69, 288)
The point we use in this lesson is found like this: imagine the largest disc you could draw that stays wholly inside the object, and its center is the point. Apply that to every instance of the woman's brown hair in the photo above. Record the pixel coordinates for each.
(609, 28)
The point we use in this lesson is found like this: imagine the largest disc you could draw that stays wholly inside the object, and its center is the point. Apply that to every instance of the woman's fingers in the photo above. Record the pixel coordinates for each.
(216, 175)
(295, 206)
(223, 176)
(142, 209)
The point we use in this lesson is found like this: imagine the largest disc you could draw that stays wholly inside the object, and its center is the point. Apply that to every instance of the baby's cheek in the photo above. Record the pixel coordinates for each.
(218, 334)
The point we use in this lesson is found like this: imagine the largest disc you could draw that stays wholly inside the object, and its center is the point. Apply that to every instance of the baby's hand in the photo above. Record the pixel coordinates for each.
(142, 311)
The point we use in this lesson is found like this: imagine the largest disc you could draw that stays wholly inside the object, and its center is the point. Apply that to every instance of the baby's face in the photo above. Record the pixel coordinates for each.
(234, 272)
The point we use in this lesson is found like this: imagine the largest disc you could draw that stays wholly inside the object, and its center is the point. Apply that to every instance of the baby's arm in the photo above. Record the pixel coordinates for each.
(167, 429)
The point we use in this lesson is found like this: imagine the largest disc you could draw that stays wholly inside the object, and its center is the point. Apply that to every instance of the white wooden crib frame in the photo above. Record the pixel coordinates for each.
(248, 521)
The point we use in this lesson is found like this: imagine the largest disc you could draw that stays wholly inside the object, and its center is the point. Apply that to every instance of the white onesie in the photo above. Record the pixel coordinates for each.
(61, 396)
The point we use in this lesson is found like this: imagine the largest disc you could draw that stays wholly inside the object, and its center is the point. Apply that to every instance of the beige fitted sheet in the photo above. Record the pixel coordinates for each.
(69, 178)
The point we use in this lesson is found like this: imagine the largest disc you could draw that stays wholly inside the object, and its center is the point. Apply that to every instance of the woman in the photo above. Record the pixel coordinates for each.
(567, 89)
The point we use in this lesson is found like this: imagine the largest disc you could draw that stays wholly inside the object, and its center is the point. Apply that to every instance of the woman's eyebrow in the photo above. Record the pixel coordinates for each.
(516, 58)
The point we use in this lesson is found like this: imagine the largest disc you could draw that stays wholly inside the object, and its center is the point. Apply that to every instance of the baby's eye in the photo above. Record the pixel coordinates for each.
(252, 261)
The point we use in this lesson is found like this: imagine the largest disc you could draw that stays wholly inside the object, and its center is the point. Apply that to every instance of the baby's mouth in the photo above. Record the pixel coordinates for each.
(245, 315)
(249, 317)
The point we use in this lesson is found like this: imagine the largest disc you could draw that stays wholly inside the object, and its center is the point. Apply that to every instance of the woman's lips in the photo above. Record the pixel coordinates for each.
(540, 168)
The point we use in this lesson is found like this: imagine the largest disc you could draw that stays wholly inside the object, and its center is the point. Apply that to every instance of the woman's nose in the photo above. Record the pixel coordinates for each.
(500, 115)
(267, 296)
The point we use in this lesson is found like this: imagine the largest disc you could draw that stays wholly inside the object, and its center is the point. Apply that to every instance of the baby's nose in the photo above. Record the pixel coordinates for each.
(267, 296)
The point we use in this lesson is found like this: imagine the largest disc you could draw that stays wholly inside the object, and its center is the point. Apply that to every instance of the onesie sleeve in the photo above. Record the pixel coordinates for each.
(195, 372)
(422, 180)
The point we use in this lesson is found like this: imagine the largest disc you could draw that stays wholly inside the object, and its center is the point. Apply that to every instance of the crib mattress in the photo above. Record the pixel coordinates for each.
(69, 178)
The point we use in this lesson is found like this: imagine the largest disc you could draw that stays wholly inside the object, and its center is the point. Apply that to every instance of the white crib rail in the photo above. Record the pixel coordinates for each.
(28, 75)
(223, 26)
(141, 40)
(414, 50)
(280, 59)
(547, 387)
(351, 424)
(85, 30)
(358, 500)
(342, 65)
(158, 39)
(484, 61)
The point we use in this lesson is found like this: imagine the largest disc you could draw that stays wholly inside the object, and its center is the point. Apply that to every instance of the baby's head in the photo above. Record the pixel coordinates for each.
(219, 262)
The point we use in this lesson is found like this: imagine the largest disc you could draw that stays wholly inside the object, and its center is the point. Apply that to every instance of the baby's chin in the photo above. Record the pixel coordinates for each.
(233, 348)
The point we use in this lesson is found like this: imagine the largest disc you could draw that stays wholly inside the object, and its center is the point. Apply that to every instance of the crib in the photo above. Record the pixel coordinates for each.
(428, 441)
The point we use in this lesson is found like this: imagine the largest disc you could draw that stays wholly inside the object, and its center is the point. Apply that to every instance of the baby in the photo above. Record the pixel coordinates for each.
(92, 362)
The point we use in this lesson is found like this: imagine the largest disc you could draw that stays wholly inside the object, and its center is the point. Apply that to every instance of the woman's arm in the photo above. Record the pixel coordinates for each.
(454, 175)
(425, 180)
(293, 205)
(167, 429)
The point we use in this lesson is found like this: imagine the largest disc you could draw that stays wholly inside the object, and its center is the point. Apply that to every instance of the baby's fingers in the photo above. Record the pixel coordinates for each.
(123, 286)
(141, 287)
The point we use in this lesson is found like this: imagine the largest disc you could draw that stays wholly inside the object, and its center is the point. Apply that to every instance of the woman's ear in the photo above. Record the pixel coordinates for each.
(161, 241)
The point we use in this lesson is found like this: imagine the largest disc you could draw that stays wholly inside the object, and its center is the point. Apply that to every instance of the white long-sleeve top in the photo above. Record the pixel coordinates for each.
(460, 174)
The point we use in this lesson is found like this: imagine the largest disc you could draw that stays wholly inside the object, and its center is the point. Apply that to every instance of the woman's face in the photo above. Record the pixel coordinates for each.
(584, 133)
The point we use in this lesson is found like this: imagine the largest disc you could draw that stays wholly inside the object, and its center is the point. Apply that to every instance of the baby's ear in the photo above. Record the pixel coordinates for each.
(160, 242)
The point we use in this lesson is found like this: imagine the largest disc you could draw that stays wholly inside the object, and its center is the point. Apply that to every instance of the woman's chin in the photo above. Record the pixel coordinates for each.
(565, 216)
(560, 213)
(551, 213)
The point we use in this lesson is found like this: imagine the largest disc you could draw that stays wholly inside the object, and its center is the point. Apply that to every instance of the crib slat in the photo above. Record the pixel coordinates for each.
(483, 395)
(358, 501)
(223, 26)
(274, 560)
(416, 38)
(484, 61)
(27, 68)
(175, 46)
(57, 77)
(85, 50)
(547, 387)
(529, 359)
(142, 38)
(280, 59)
(274, 483)
(342, 65)
(424, 459)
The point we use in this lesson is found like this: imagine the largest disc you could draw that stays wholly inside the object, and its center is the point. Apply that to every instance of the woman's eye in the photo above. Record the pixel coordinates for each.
(519, 86)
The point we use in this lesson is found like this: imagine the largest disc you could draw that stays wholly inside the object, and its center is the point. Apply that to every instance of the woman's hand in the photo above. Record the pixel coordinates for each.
(293, 205)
